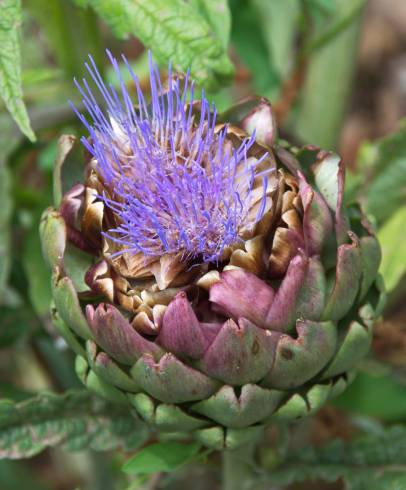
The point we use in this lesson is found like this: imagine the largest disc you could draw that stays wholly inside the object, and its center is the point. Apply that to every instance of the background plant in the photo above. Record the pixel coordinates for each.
(301, 54)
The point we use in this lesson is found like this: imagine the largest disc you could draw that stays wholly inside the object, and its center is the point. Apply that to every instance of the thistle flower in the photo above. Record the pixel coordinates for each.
(173, 181)
(206, 276)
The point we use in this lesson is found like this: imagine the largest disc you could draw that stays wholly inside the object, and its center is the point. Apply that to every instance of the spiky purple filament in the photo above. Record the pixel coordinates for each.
(174, 181)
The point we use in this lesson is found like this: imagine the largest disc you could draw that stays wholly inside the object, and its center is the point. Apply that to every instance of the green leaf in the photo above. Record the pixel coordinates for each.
(383, 165)
(8, 142)
(317, 7)
(173, 31)
(371, 462)
(328, 81)
(218, 16)
(390, 480)
(71, 33)
(343, 22)
(8, 390)
(162, 456)
(278, 22)
(376, 394)
(5, 212)
(38, 274)
(252, 49)
(75, 419)
(392, 233)
(14, 324)
(10, 64)
(47, 156)
(17, 475)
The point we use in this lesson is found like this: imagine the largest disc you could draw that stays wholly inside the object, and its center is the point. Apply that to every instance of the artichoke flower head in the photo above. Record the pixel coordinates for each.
(176, 191)
(207, 274)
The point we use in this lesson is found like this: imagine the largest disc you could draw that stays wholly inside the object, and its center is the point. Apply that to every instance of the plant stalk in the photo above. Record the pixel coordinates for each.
(329, 77)
(72, 33)
(238, 468)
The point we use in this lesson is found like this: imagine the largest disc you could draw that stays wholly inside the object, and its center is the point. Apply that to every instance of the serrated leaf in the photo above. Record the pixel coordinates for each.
(173, 31)
(162, 456)
(75, 419)
(217, 14)
(387, 191)
(371, 462)
(10, 65)
(383, 165)
(393, 266)
(395, 480)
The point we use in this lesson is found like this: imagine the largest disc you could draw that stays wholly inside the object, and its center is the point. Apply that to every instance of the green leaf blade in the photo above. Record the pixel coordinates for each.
(10, 65)
(75, 419)
(391, 237)
(372, 461)
(173, 31)
(162, 456)
(217, 14)
(384, 164)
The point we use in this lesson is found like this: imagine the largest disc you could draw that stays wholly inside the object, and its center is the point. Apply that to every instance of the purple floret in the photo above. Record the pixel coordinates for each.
(175, 183)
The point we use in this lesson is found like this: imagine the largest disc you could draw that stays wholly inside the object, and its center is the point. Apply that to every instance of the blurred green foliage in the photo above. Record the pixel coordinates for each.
(265, 45)
(75, 419)
(163, 456)
(359, 463)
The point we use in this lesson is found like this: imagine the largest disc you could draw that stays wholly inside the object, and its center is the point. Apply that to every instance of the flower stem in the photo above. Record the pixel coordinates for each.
(238, 468)
(328, 80)
(71, 32)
